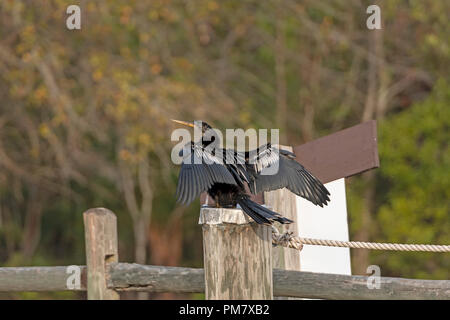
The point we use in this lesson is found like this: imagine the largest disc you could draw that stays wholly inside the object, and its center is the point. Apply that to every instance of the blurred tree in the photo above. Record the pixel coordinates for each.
(84, 115)
(416, 195)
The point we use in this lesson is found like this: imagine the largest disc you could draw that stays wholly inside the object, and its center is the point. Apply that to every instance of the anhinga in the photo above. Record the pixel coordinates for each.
(208, 169)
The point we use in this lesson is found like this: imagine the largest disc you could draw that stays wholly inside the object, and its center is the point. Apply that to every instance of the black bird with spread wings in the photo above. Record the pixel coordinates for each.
(225, 173)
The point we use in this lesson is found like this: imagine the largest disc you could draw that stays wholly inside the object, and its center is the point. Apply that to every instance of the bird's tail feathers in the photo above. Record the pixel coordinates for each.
(261, 214)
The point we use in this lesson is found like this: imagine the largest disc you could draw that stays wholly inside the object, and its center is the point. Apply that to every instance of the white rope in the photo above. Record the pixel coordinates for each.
(288, 240)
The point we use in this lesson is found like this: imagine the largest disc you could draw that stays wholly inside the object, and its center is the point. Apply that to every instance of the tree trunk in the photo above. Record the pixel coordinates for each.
(280, 72)
(376, 106)
(32, 227)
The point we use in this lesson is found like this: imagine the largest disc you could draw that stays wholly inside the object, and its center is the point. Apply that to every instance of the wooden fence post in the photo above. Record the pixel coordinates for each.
(100, 227)
(237, 255)
(284, 202)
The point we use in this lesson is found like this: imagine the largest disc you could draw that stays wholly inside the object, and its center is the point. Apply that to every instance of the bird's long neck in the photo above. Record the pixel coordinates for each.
(206, 141)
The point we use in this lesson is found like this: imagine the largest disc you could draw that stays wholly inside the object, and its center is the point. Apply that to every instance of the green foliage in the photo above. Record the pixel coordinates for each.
(415, 162)
(412, 188)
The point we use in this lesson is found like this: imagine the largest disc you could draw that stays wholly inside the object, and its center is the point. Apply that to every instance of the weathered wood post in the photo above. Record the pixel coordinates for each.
(100, 227)
(284, 202)
(237, 255)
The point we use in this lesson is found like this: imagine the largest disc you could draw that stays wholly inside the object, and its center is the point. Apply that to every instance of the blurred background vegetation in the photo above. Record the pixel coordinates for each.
(84, 117)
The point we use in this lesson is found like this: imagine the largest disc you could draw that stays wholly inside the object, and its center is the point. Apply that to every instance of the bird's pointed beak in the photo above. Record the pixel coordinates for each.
(189, 124)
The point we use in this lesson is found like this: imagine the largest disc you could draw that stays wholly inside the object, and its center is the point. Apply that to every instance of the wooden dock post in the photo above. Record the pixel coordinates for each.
(100, 227)
(237, 255)
(284, 202)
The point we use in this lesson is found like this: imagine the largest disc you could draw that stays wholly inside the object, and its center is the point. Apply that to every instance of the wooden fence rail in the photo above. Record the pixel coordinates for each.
(135, 277)
(38, 279)
(104, 277)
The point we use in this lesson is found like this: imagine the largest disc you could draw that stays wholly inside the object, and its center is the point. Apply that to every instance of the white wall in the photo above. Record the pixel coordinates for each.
(329, 222)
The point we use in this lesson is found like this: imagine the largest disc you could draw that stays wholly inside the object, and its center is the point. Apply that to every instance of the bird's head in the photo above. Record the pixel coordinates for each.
(195, 124)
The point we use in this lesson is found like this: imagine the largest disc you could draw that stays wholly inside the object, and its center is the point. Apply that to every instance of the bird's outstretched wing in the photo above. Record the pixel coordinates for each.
(200, 169)
(272, 168)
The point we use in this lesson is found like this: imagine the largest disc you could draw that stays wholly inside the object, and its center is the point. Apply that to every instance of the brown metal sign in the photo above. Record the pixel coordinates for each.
(341, 154)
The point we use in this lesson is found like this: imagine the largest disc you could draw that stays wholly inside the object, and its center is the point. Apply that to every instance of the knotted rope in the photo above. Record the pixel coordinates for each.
(287, 239)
